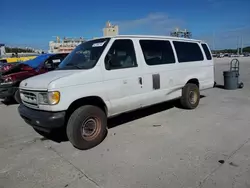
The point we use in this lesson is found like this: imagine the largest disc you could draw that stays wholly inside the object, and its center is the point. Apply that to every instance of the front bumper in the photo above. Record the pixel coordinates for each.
(7, 91)
(42, 120)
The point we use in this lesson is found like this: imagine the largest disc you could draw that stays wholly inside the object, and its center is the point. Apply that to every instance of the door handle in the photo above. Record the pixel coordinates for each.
(140, 80)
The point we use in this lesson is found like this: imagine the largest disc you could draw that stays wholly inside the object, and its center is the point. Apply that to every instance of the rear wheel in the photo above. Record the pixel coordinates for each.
(87, 127)
(190, 96)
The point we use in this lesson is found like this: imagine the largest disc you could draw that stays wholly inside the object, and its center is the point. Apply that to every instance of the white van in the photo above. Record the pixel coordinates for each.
(105, 77)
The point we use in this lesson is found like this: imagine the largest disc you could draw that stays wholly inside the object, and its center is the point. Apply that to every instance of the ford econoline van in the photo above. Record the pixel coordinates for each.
(108, 76)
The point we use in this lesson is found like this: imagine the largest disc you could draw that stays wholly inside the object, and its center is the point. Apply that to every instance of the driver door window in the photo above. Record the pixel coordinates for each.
(121, 55)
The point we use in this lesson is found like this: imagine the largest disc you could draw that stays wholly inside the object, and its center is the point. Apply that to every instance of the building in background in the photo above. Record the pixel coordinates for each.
(2, 50)
(110, 30)
(64, 45)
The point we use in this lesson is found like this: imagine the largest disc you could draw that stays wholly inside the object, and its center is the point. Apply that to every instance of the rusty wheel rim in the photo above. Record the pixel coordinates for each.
(90, 128)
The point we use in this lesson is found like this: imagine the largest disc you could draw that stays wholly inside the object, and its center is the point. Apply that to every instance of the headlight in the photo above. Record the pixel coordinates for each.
(51, 98)
(54, 97)
(43, 98)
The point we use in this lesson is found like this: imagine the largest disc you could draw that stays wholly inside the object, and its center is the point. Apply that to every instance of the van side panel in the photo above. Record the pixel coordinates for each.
(209, 83)
(159, 80)
(173, 77)
(201, 70)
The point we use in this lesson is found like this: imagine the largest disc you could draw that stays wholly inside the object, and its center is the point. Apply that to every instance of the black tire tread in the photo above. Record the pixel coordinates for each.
(75, 118)
(185, 98)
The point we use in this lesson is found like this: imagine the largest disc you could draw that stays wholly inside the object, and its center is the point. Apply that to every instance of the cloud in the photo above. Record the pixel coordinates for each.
(153, 23)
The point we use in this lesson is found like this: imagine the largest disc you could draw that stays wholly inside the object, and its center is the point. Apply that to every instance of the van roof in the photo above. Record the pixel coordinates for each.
(152, 36)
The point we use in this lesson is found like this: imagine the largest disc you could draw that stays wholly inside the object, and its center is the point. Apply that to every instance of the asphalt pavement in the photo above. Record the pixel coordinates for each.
(158, 147)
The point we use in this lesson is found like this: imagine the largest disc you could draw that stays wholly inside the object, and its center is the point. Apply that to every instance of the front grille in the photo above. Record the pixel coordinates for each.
(29, 98)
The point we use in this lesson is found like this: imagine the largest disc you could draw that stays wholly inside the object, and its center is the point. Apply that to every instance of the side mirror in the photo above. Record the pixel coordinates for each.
(111, 62)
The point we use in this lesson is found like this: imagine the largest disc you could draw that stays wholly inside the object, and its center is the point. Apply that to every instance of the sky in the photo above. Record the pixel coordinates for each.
(31, 23)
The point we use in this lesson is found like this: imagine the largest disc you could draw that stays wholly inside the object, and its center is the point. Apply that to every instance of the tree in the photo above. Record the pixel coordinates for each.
(18, 50)
(232, 51)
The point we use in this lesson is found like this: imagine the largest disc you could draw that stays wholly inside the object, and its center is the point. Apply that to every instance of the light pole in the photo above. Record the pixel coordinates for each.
(238, 45)
(213, 40)
(241, 44)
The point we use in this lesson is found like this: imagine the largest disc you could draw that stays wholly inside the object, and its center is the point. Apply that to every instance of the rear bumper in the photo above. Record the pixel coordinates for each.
(7, 91)
(42, 120)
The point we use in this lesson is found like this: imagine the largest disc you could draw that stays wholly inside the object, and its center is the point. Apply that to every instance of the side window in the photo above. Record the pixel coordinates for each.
(207, 52)
(53, 62)
(121, 55)
(157, 52)
(48, 64)
(188, 51)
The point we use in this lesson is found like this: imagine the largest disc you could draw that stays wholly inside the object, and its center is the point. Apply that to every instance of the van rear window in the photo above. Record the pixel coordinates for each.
(207, 52)
(188, 51)
(157, 52)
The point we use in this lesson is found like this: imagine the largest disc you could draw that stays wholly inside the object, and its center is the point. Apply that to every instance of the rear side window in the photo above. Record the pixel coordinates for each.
(207, 52)
(157, 52)
(188, 51)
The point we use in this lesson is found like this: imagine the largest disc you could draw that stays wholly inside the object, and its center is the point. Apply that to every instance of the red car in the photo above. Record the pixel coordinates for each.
(12, 76)
(6, 66)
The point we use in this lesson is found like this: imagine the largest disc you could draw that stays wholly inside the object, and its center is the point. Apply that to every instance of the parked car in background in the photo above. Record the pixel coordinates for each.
(11, 77)
(16, 59)
(6, 66)
(3, 60)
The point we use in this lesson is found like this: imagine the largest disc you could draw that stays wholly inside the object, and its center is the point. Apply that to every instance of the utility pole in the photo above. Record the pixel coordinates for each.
(213, 40)
(241, 44)
(238, 45)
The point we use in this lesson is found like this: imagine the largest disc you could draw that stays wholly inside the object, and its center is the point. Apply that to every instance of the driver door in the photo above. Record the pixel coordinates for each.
(123, 77)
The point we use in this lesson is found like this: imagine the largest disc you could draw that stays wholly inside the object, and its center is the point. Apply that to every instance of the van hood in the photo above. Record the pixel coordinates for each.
(42, 81)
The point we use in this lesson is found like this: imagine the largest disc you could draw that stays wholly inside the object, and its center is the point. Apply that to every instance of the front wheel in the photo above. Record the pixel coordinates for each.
(190, 96)
(17, 97)
(87, 127)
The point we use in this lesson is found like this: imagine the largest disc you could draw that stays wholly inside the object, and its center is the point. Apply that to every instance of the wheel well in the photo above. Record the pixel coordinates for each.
(194, 81)
(94, 100)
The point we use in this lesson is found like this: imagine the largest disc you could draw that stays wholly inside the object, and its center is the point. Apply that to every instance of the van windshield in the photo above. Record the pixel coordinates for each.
(85, 55)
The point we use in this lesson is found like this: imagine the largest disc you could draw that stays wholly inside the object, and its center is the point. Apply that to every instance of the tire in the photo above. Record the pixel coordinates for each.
(241, 85)
(190, 96)
(17, 97)
(95, 122)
